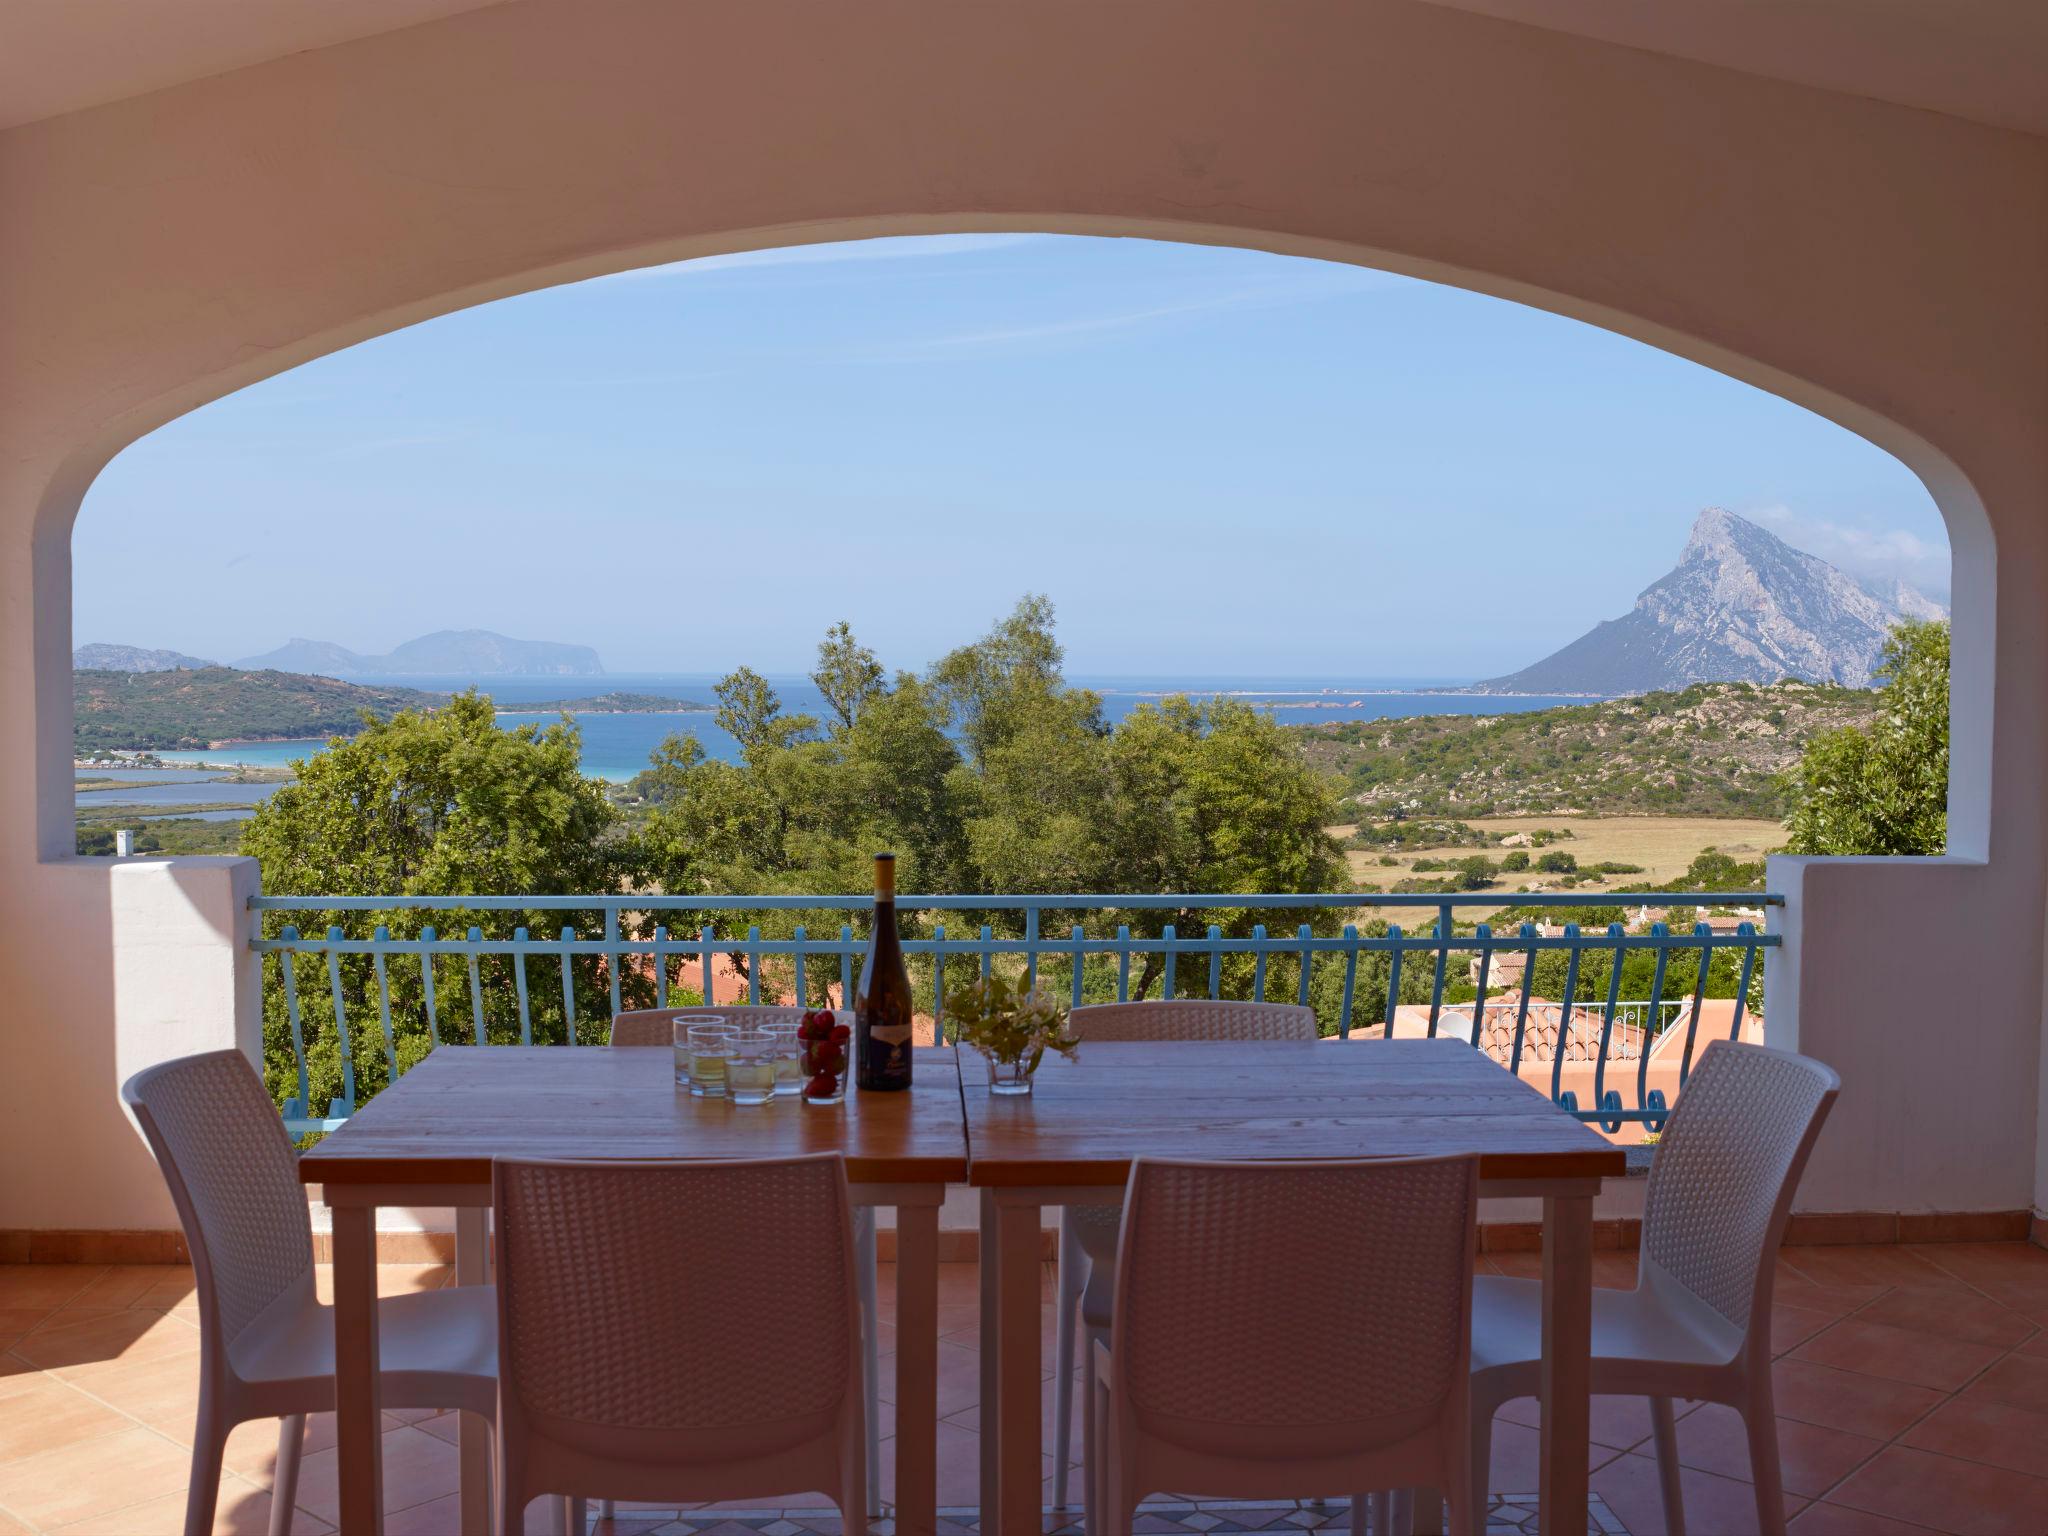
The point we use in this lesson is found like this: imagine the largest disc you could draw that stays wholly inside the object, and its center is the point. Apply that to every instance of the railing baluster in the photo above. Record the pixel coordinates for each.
(1031, 949)
(476, 986)
(1522, 1012)
(342, 1108)
(753, 965)
(1743, 931)
(383, 936)
(519, 986)
(1215, 961)
(1166, 943)
(704, 935)
(611, 955)
(1079, 954)
(1393, 978)
(1705, 935)
(1614, 932)
(845, 965)
(1259, 963)
(1350, 981)
(1659, 933)
(1564, 1020)
(427, 984)
(803, 998)
(987, 954)
(661, 965)
(1443, 963)
(568, 983)
(1123, 962)
(1305, 933)
(301, 1107)
(938, 983)
(1484, 933)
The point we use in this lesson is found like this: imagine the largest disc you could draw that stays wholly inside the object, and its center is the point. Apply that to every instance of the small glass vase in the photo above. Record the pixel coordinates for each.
(1009, 1079)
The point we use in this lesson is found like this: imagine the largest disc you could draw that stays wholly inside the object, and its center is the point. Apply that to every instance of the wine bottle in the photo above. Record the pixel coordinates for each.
(881, 1000)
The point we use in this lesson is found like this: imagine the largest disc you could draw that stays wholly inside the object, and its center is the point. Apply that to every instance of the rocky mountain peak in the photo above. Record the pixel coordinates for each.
(1741, 605)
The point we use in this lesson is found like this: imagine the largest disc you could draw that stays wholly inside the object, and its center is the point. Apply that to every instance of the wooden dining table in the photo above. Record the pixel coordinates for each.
(429, 1140)
(1072, 1141)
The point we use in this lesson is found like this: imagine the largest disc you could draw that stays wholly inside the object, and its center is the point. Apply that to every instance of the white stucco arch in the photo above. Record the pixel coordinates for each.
(169, 249)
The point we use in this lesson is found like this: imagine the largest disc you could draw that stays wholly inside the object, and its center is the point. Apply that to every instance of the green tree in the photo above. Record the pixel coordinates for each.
(1883, 789)
(848, 674)
(439, 803)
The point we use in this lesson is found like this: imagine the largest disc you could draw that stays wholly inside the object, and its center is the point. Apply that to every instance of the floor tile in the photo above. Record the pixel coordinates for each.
(243, 1510)
(1897, 1354)
(1825, 1519)
(1811, 1457)
(2021, 1380)
(1976, 1262)
(44, 1285)
(1792, 1326)
(51, 1415)
(92, 1477)
(1962, 1497)
(417, 1467)
(1617, 1422)
(1833, 1300)
(1867, 1266)
(1984, 1429)
(133, 1337)
(1720, 1505)
(1847, 1400)
(1974, 1318)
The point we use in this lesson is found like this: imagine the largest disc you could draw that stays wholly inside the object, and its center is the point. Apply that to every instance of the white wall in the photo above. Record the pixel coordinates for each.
(1881, 265)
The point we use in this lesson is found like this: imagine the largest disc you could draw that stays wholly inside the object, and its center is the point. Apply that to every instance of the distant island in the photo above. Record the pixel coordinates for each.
(445, 653)
(610, 704)
(180, 710)
(134, 658)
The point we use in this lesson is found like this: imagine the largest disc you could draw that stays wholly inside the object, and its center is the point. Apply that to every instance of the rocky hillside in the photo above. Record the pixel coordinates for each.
(1742, 605)
(176, 710)
(133, 658)
(1709, 750)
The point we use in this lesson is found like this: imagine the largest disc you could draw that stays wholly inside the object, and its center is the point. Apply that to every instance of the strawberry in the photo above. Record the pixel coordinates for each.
(828, 1058)
(840, 1034)
(823, 1086)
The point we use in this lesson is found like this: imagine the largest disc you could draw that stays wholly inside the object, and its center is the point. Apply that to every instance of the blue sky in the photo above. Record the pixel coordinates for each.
(1216, 462)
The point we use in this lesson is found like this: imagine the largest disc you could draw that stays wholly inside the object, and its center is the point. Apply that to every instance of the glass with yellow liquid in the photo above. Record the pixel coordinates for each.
(789, 1053)
(706, 1050)
(750, 1071)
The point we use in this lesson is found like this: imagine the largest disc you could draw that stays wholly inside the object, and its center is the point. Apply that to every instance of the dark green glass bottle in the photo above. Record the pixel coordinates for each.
(881, 999)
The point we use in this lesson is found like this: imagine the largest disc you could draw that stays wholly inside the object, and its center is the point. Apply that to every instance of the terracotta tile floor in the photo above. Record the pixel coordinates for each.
(1912, 1396)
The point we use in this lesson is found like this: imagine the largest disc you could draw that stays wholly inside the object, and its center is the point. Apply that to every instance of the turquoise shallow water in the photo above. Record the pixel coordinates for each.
(618, 746)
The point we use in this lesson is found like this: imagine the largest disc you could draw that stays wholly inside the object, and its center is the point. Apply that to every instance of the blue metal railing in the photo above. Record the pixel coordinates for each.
(1619, 1022)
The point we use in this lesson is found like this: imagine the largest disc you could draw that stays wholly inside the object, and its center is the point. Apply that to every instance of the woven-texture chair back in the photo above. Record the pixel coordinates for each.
(1223, 1263)
(1726, 1167)
(1192, 1019)
(657, 1026)
(229, 1166)
(675, 1296)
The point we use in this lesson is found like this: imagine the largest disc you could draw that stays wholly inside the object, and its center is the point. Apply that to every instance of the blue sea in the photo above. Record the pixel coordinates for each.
(616, 747)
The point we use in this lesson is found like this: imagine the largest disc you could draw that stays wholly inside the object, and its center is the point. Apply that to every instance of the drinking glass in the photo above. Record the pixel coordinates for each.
(750, 1071)
(789, 1077)
(709, 1045)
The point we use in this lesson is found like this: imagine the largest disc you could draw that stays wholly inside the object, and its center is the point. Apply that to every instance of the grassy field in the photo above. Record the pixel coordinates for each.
(1663, 845)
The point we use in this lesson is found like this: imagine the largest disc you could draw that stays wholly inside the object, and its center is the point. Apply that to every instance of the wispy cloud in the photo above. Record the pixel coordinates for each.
(1323, 286)
(883, 248)
(1882, 553)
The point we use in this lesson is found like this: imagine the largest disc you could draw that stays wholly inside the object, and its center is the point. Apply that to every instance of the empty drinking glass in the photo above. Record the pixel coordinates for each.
(789, 1077)
(709, 1047)
(750, 1073)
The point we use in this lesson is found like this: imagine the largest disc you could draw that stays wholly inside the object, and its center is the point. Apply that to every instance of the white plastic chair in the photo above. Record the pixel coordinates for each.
(266, 1342)
(1088, 1233)
(1698, 1323)
(1288, 1330)
(656, 1026)
(714, 1354)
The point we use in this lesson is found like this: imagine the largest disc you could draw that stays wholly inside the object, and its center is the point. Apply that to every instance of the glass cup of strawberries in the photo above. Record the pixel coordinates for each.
(826, 1045)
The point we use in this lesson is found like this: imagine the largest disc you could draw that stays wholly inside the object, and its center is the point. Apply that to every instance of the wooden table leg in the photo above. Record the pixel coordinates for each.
(987, 1260)
(473, 1430)
(359, 1447)
(1567, 1366)
(917, 1367)
(1019, 1392)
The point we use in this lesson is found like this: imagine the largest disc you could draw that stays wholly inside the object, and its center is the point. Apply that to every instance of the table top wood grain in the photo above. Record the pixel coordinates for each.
(445, 1119)
(1088, 1117)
